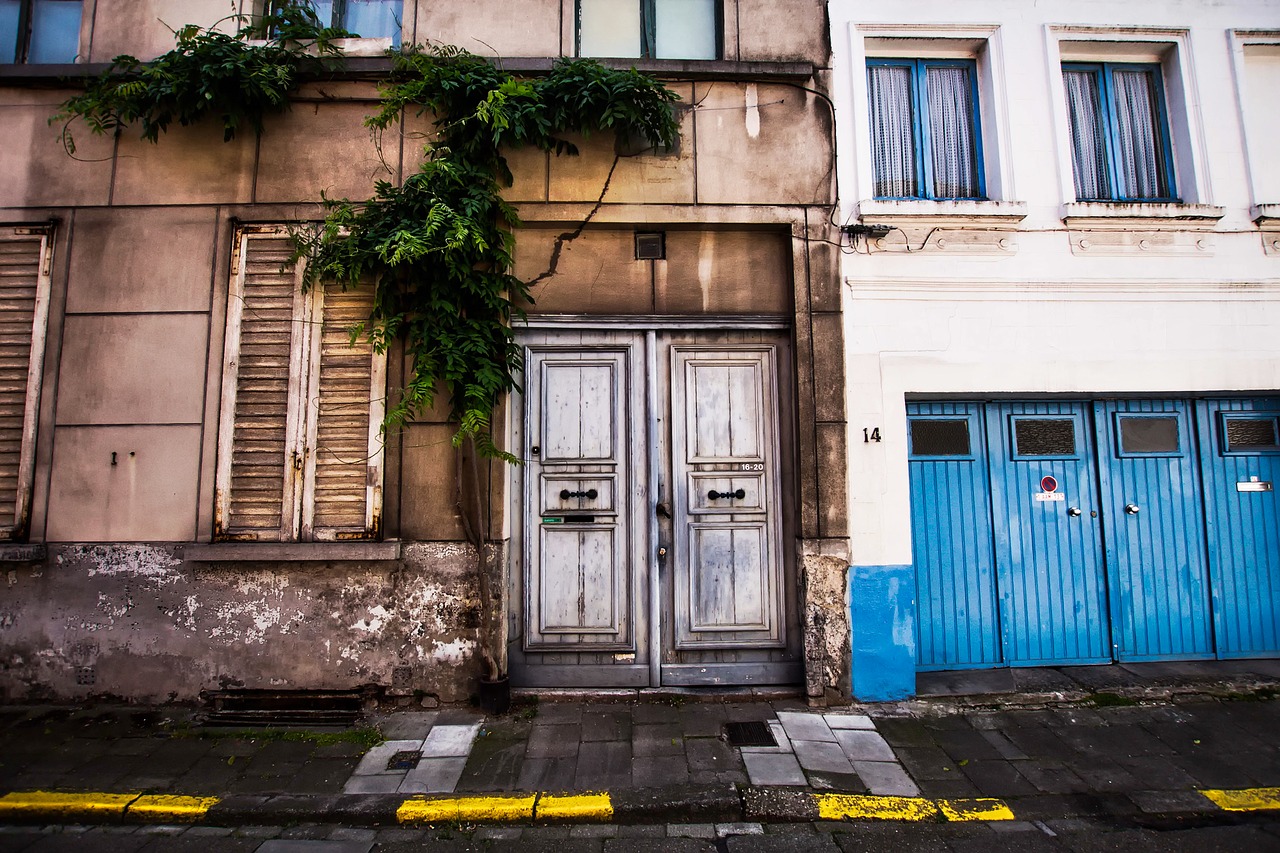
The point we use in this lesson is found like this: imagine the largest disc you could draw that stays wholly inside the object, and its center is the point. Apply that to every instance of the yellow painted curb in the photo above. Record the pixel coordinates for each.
(1246, 799)
(872, 807)
(575, 807)
(52, 804)
(980, 809)
(172, 808)
(465, 809)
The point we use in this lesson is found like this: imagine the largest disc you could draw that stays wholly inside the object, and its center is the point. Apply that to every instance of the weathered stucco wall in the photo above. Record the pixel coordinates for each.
(155, 627)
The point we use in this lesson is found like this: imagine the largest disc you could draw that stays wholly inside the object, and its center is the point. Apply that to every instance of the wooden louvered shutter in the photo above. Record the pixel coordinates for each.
(344, 473)
(24, 316)
(299, 453)
(260, 443)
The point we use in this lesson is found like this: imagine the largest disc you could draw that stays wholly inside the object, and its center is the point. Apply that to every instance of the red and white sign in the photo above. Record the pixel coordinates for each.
(1048, 484)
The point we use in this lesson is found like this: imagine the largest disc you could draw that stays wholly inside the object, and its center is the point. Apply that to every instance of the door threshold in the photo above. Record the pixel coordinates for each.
(659, 694)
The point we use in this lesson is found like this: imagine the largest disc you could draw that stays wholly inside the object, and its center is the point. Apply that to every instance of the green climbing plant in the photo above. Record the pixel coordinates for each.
(437, 248)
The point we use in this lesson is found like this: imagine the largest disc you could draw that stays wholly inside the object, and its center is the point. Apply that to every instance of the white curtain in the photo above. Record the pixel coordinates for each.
(892, 146)
(951, 144)
(375, 19)
(1140, 160)
(1088, 135)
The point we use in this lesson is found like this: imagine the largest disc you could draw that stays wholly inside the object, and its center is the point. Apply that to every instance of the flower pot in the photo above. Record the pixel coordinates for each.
(495, 695)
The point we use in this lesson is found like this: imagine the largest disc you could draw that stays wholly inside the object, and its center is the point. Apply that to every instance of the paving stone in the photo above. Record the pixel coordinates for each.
(997, 779)
(691, 830)
(553, 713)
(375, 760)
(710, 753)
(663, 739)
(547, 774)
(1004, 747)
(406, 725)
(802, 726)
(968, 745)
(593, 830)
(382, 784)
(1158, 772)
(821, 756)
(1160, 802)
(498, 833)
(659, 770)
(726, 830)
(864, 746)
(926, 763)
(433, 776)
(654, 713)
(905, 732)
(560, 741)
(642, 830)
(606, 725)
(1052, 778)
(702, 719)
(353, 833)
(886, 778)
(283, 845)
(848, 721)
(658, 845)
(495, 760)
(773, 769)
(449, 741)
(603, 764)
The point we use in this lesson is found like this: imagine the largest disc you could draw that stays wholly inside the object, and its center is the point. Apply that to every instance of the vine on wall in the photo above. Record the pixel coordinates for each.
(437, 249)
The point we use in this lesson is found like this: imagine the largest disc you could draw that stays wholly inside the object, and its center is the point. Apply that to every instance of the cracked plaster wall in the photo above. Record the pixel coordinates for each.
(156, 628)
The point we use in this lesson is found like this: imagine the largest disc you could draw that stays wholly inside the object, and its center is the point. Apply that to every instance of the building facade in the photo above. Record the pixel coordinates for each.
(202, 498)
(1061, 302)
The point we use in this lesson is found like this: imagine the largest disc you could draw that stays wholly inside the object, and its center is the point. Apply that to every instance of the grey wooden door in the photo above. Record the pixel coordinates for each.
(651, 514)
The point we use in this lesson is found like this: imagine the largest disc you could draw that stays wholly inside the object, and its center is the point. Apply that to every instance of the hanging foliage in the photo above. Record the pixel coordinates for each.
(437, 249)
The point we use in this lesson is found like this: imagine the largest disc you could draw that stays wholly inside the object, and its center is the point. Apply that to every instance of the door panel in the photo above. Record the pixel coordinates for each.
(581, 592)
(1241, 467)
(1154, 530)
(951, 537)
(1048, 558)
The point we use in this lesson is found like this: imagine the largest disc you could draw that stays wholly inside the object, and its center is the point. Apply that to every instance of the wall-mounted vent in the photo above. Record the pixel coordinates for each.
(651, 246)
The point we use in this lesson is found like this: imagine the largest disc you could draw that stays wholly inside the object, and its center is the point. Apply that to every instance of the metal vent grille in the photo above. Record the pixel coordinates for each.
(1045, 436)
(751, 733)
(651, 246)
(1252, 434)
(940, 437)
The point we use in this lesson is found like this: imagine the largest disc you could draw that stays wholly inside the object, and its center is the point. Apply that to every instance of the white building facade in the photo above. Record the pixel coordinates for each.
(1062, 309)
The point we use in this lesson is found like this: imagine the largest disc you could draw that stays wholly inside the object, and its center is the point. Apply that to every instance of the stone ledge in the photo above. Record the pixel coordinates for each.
(1105, 214)
(20, 553)
(943, 212)
(292, 552)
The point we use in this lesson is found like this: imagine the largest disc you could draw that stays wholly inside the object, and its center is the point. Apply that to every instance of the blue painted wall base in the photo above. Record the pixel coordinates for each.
(882, 615)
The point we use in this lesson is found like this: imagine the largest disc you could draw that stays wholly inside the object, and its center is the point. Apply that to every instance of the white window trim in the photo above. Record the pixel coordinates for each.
(300, 429)
(35, 376)
(980, 42)
(1262, 210)
(1171, 49)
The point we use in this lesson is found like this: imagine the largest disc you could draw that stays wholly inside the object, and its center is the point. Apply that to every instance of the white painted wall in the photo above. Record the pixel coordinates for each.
(1196, 310)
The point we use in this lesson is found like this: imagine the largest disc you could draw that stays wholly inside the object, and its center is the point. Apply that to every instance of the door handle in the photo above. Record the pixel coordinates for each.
(565, 494)
(1075, 512)
(739, 494)
(663, 511)
(1131, 509)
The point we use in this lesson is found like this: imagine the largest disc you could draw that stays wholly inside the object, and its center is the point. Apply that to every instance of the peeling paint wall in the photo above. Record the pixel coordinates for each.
(154, 627)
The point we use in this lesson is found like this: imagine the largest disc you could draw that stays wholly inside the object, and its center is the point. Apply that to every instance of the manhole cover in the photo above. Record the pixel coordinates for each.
(406, 760)
(752, 733)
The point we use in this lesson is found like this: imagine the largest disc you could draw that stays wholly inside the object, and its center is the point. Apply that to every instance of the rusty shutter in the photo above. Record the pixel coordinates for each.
(24, 314)
(295, 457)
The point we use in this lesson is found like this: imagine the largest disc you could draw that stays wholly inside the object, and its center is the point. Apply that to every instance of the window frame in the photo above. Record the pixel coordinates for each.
(920, 133)
(648, 33)
(339, 18)
(1104, 74)
(26, 28)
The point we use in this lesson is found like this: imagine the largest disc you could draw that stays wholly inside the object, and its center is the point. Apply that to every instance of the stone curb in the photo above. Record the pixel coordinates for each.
(677, 804)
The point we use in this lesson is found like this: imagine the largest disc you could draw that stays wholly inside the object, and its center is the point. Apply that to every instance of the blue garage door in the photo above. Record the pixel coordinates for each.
(1240, 462)
(1084, 532)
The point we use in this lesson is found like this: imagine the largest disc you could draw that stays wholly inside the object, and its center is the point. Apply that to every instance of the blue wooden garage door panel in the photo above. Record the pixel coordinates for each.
(1048, 559)
(1154, 530)
(956, 621)
(1241, 456)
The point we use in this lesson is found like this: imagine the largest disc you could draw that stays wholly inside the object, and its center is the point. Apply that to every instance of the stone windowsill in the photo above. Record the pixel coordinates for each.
(1266, 215)
(291, 552)
(935, 212)
(1141, 215)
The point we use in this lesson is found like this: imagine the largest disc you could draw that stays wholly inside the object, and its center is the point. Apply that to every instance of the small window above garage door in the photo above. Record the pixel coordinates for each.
(1255, 432)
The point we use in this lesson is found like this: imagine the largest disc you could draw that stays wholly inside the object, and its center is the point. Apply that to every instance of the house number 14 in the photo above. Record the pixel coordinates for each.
(870, 435)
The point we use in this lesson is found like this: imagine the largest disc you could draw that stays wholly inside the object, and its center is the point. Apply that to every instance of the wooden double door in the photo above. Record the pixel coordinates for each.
(652, 512)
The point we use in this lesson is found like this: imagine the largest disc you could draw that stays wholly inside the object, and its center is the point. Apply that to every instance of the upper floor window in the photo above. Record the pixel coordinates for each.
(649, 29)
(46, 31)
(925, 139)
(367, 18)
(1120, 148)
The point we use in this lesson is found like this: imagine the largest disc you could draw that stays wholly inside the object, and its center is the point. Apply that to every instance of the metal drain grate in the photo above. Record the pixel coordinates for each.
(751, 733)
(406, 760)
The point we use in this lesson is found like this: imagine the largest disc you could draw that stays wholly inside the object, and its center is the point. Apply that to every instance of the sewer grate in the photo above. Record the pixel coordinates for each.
(751, 733)
(405, 760)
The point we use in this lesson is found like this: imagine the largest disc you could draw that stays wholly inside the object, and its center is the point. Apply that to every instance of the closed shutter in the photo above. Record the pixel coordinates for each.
(295, 453)
(348, 403)
(24, 315)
